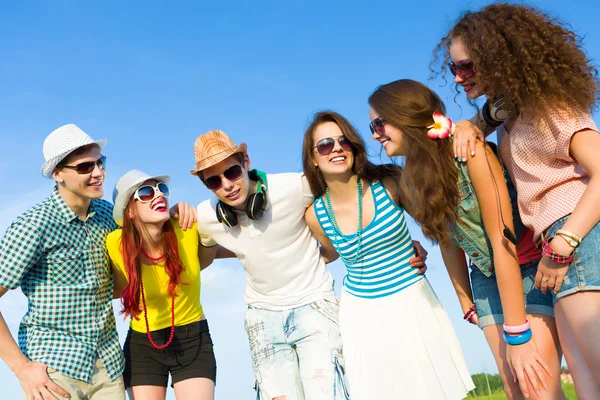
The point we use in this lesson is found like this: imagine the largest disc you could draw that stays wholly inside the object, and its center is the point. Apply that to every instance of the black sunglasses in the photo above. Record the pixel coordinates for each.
(232, 174)
(326, 145)
(88, 166)
(377, 125)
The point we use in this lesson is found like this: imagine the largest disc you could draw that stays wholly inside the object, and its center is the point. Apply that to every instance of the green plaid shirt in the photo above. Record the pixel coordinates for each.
(62, 266)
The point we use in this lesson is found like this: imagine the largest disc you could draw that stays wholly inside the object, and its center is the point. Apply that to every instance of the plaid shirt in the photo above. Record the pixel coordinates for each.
(61, 264)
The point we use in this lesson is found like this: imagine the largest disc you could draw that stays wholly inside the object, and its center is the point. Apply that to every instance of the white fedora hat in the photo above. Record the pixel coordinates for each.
(125, 188)
(62, 142)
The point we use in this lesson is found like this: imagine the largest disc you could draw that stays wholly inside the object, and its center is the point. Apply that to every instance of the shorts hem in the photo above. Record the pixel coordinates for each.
(147, 380)
(194, 374)
(587, 288)
(539, 309)
(490, 319)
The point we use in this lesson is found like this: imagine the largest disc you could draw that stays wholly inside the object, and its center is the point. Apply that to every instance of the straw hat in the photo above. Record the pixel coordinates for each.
(212, 148)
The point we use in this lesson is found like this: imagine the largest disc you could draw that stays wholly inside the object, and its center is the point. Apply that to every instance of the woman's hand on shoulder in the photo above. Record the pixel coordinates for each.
(465, 137)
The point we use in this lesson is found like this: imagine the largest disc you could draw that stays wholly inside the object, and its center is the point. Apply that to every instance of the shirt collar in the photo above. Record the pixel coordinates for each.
(66, 211)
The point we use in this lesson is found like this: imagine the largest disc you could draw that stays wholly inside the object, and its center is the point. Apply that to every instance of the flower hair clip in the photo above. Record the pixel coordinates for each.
(442, 127)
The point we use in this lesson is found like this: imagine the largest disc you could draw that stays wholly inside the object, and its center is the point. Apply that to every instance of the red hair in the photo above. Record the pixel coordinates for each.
(131, 246)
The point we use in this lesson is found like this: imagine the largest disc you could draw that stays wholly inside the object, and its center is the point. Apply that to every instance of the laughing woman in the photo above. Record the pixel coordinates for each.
(157, 275)
(398, 341)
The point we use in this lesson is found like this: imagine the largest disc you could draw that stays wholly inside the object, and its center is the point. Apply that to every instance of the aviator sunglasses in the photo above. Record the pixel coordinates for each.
(326, 145)
(232, 174)
(88, 166)
(464, 69)
(377, 125)
(147, 193)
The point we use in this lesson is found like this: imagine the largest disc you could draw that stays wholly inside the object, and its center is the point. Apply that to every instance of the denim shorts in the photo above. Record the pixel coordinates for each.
(487, 295)
(584, 271)
(297, 353)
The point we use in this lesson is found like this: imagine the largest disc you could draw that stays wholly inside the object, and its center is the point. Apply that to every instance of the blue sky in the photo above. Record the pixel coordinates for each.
(151, 76)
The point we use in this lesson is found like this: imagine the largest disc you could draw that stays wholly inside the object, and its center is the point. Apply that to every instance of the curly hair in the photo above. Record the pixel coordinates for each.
(522, 54)
(429, 172)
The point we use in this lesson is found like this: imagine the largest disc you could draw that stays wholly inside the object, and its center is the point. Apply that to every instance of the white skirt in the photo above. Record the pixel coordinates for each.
(402, 346)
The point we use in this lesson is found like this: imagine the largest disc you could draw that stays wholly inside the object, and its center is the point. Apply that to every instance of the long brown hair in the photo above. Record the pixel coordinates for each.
(429, 171)
(525, 56)
(131, 246)
(362, 166)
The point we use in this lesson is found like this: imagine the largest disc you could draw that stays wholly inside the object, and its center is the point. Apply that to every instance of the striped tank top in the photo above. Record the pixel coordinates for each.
(383, 266)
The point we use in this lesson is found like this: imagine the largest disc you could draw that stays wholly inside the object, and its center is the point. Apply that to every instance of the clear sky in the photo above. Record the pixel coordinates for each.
(151, 76)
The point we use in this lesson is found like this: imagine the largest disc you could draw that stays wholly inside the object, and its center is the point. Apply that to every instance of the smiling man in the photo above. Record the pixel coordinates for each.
(68, 343)
(292, 316)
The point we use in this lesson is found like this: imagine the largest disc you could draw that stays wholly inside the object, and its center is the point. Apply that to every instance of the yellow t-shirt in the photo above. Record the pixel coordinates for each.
(156, 283)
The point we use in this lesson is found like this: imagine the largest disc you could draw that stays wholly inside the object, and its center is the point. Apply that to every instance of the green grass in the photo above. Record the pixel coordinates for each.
(568, 388)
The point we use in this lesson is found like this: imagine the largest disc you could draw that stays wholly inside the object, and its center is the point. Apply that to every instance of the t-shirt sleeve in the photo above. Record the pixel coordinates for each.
(113, 246)
(20, 249)
(307, 196)
(564, 126)
(205, 239)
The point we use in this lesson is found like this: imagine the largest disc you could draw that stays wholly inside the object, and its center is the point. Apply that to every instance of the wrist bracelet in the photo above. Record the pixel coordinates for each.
(519, 339)
(554, 256)
(472, 310)
(571, 238)
(518, 328)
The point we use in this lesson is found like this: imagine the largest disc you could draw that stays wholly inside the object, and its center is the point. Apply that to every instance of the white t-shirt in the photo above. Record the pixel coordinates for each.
(284, 267)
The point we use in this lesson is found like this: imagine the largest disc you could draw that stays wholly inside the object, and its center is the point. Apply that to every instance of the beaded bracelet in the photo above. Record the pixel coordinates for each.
(554, 256)
(517, 329)
(518, 339)
(472, 310)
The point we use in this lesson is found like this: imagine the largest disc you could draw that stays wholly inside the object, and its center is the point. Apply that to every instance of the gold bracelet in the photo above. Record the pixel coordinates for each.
(571, 238)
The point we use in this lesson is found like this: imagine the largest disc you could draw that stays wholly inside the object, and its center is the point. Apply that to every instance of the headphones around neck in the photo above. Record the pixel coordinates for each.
(256, 203)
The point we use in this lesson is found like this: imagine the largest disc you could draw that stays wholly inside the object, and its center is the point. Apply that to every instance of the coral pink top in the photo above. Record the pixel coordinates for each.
(549, 181)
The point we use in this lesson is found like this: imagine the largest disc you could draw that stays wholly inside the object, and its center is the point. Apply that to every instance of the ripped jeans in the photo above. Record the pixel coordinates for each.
(297, 353)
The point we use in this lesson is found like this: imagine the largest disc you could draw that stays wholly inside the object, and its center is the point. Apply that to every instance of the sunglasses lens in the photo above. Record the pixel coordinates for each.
(452, 68)
(164, 189)
(234, 173)
(101, 162)
(345, 143)
(463, 69)
(85, 167)
(145, 193)
(213, 182)
(325, 146)
(88, 167)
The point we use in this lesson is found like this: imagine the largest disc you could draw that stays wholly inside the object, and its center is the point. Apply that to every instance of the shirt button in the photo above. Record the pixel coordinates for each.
(476, 254)
(460, 238)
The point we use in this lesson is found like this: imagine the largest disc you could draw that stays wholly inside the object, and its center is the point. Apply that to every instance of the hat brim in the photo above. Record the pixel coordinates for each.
(217, 158)
(121, 198)
(49, 165)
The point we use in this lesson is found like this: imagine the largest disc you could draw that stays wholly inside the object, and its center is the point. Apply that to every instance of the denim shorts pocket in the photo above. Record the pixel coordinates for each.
(328, 308)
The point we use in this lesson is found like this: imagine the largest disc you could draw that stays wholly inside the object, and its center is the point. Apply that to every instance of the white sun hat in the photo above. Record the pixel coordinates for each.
(62, 142)
(125, 188)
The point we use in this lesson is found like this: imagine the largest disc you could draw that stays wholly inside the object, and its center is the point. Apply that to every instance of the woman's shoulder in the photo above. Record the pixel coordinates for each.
(113, 239)
(189, 235)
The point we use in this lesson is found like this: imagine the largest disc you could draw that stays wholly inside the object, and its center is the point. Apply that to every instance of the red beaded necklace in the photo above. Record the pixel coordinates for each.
(151, 258)
(158, 347)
